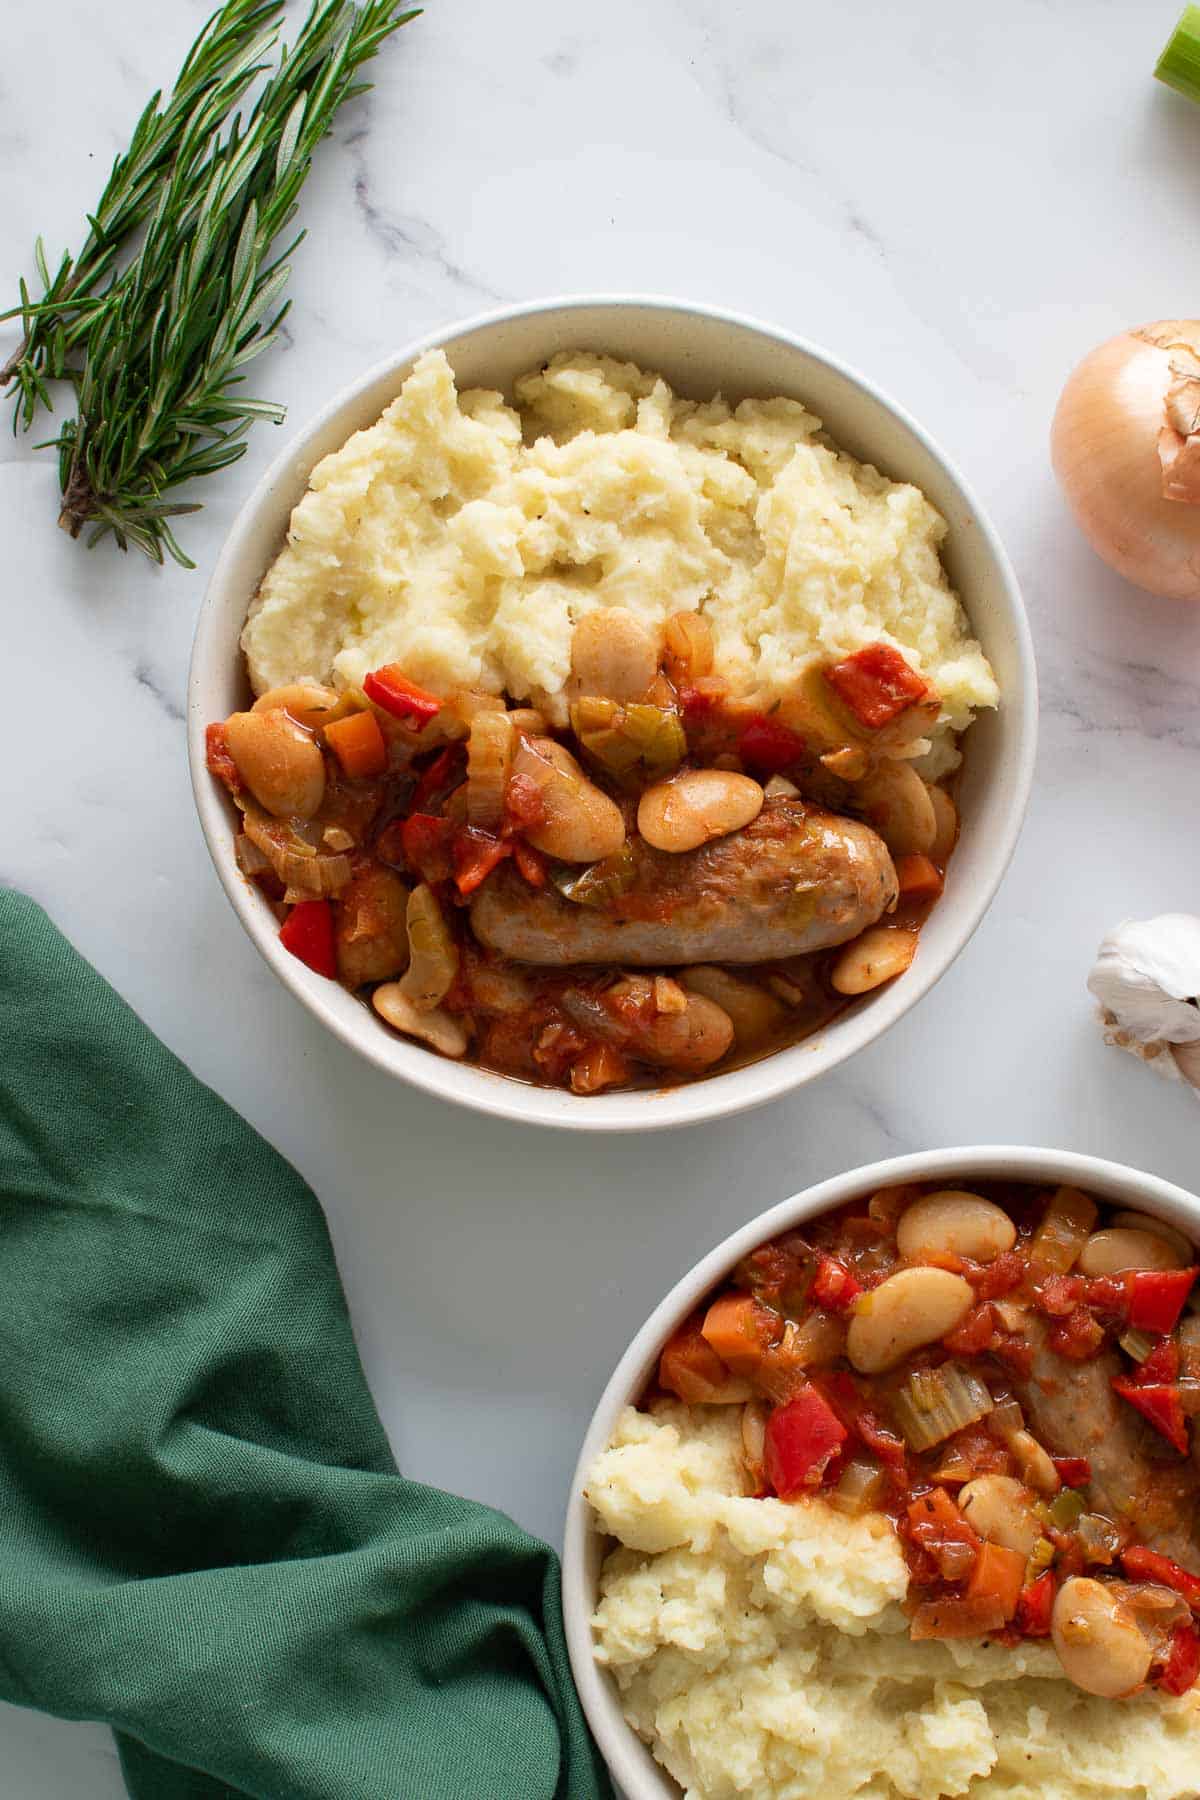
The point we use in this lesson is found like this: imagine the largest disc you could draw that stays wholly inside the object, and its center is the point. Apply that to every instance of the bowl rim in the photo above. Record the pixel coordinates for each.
(505, 1097)
(628, 1759)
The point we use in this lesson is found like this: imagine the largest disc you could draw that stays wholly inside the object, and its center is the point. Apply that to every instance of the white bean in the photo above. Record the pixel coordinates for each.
(279, 761)
(582, 824)
(1140, 1221)
(1000, 1509)
(439, 1029)
(895, 801)
(953, 1222)
(613, 655)
(879, 955)
(946, 817)
(696, 806)
(1098, 1642)
(1035, 1463)
(911, 1308)
(755, 1013)
(308, 702)
(1111, 1251)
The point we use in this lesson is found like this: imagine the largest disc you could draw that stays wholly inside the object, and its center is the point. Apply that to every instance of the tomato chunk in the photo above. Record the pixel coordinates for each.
(834, 1287)
(1156, 1297)
(476, 854)
(1035, 1606)
(802, 1440)
(1150, 1565)
(308, 933)
(1161, 1404)
(1073, 1471)
(1183, 1662)
(531, 864)
(391, 689)
(876, 684)
(426, 843)
(769, 745)
(218, 758)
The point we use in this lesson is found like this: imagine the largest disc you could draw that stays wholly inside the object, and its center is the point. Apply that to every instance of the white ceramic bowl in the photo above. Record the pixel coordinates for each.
(700, 351)
(628, 1758)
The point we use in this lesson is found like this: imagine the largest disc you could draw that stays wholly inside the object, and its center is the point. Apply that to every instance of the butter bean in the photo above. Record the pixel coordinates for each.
(1000, 1509)
(613, 655)
(695, 807)
(911, 1308)
(279, 762)
(1118, 1248)
(879, 955)
(1140, 1221)
(1098, 1642)
(309, 703)
(955, 1223)
(582, 825)
(895, 800)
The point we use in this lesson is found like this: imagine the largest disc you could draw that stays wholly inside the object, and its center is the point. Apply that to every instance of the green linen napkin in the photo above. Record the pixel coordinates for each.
(204, 1541)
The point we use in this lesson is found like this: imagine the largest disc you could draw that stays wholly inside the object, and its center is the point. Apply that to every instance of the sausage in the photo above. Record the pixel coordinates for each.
(1074, 1411)
(796, 879)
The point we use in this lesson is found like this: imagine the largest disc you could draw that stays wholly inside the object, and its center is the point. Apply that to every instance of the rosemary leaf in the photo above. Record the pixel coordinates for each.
(179, 283)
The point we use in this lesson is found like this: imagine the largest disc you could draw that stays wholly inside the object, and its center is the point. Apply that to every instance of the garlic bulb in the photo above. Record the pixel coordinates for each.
(1146, 978)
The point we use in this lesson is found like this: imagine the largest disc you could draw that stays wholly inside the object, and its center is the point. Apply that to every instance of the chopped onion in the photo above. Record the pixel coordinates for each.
(1137, 1344)
(1126, 450)
(295, 861)
(251, 860)
(1006, 1420)
(860, 1488)
(1063, 1232)
(935, 1403)
(1098, 1537)
(433, 954)
(489, 756)
(601, 882)
(688, 647)
(754, 1439)
(955, 1618)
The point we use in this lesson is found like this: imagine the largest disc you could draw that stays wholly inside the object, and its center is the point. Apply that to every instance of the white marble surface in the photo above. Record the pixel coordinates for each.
(959, 200)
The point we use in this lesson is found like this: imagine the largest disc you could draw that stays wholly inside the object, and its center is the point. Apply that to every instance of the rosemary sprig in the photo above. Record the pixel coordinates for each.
(178, 283)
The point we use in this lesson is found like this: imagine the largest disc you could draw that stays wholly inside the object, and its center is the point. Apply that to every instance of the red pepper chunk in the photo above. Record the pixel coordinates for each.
(476, 854)
(876, 684)
(1073, 1471)
(308, 933)
(436, 779)
(1160, 1403)
(1183, 1662)
(1156, 1297)
(426, 843)
(834, 1287)
(802, 1440)
(1035, 1605)
(1150, 1565)
(769, 745)
(391, 689)
(1162, 1364)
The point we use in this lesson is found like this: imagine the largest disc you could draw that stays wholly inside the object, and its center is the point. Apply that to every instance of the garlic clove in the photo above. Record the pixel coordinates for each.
(1146, 978)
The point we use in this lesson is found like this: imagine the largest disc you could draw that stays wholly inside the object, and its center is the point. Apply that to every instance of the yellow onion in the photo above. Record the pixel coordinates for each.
(1126, 448)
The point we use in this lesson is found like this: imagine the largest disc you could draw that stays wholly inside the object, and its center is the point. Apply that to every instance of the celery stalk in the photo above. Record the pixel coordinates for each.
(1179, 64)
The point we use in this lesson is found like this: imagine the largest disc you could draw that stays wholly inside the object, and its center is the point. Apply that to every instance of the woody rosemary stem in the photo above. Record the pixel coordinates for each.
(178, 284)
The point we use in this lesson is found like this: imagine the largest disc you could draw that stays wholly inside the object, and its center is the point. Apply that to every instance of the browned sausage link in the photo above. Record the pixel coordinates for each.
(795, 880)
(1073, 1410)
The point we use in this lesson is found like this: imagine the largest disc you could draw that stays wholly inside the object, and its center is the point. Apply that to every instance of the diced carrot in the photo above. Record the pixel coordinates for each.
(358, 744)
(691, 1368)
(918, 878)
(740, 1329)
(999, 1574)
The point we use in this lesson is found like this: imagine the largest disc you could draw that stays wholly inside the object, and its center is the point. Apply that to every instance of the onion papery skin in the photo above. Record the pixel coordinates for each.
(1104, 447)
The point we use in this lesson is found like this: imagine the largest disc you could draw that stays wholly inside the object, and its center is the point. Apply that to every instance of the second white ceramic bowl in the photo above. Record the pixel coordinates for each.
(701, 351)
(583, 1551)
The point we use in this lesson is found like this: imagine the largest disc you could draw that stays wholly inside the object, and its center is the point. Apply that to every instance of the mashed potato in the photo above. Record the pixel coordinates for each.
(758, 1647)
(462, 538)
